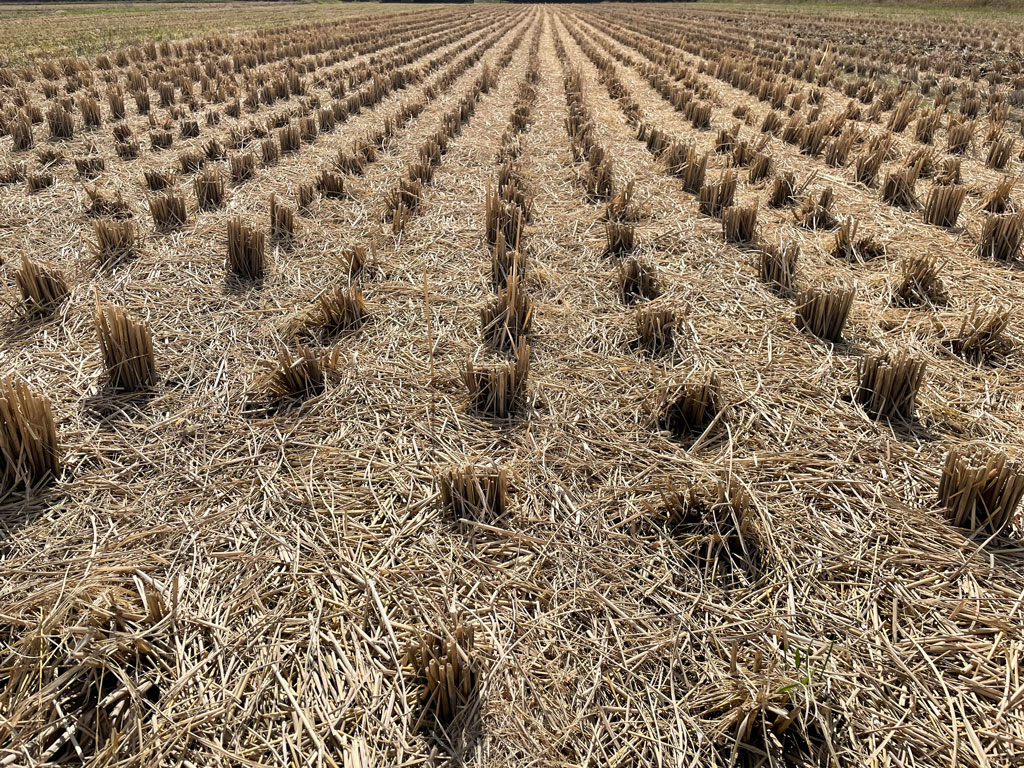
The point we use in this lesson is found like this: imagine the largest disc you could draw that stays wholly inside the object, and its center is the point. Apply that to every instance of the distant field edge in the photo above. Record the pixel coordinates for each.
(944, 6)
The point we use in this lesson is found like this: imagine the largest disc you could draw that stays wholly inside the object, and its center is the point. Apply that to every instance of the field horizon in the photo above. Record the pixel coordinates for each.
(502, 384)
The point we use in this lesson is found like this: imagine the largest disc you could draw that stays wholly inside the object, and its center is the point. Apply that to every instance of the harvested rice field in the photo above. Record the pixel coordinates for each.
(504, 385)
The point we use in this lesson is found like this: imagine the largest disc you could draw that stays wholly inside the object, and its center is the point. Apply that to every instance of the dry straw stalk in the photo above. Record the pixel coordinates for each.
(637, 281)
(688, 408)
(1001, 236)
(302, 373)
(41, 289)
(943, 206)
(509, 317)
(980, 493)
(887, 385)
(655, 329)
(776, 266)
(246, 254)
(115, 240)
(471, 492)
(28, 438)
(282, 220)
(445, 667)
(127, 349)
(739, 224)
(982, 334)
(823, 311)
(921, 281)
(719, 523)
(342, 309)
(498, 390)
